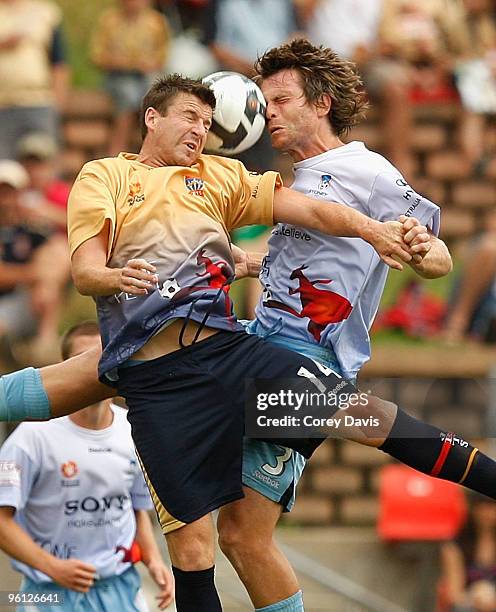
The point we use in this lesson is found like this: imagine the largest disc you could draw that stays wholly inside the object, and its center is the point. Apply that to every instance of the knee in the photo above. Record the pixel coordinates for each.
(192, 554)
(237, 542)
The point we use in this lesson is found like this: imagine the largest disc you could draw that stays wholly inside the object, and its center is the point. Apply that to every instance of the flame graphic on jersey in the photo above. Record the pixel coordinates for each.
(218, 277)
(321, 306)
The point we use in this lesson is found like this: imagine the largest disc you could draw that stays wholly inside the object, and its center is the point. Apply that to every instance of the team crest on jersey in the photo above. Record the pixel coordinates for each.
(69, 469)
(325, 182)
(195, 185)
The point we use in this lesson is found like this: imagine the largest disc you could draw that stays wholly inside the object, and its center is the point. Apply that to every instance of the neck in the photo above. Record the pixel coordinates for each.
(319, 143)
(148, 156)
(98, 416)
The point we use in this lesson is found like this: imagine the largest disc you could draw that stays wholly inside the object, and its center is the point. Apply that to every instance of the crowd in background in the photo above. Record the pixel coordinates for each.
(409, 53)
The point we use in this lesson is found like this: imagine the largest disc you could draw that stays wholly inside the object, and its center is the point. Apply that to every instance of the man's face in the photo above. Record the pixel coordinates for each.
(291, 119)
(180, 136)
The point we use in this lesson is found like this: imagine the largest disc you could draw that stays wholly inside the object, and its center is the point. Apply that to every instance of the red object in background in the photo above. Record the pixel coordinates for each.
(416, 312)
(416, 507)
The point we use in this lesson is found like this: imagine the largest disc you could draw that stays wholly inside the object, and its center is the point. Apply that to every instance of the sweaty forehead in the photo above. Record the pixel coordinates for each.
(189, 102)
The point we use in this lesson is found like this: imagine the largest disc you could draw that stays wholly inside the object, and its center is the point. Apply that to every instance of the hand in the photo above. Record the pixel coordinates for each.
(417, 237)
(72, 574)
(387, 240)
(161, 575)
(246, 264)
(137, 277)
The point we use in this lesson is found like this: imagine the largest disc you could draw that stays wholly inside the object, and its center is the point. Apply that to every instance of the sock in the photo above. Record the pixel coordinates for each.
(291, 604)
(196, 591)
(22, 396)
(440, 454)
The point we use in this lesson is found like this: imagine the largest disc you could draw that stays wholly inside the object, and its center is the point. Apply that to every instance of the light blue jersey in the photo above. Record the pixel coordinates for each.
(326, 290)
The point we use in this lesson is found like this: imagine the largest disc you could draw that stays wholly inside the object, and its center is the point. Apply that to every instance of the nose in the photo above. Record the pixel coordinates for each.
(199, 129)
(270, 111)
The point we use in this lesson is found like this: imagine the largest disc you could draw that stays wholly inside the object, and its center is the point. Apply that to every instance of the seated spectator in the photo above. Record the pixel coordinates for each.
(468, 565)
(473, 310)
(31, 283)
(33, 70)
(351, 29)
(45, 199)
(130, 45)
(475, 74)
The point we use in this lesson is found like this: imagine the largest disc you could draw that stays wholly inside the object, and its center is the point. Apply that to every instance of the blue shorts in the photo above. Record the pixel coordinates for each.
(270, 469)
(121, 593)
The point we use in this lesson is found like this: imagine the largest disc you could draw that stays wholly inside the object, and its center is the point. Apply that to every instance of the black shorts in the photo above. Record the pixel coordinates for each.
(186, 411)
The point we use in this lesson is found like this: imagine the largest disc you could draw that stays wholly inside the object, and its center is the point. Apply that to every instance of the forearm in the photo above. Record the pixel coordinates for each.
(16, 543)
(329, 217)
(12, 275)
(96, 279)
(150, 552)
(436, 263)
(60, 79)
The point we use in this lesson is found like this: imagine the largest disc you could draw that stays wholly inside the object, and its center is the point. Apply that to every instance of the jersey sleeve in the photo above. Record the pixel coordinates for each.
(18, 471)
(253, 201)
(392, 196)
(90, 204)
(140, 496)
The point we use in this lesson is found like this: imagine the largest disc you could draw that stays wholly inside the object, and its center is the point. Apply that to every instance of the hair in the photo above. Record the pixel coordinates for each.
(165, 89)
(86, 328)
(322, 72)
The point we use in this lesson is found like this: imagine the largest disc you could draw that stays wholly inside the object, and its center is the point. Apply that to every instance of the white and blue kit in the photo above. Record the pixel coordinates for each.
(75, 490)
(321, 293)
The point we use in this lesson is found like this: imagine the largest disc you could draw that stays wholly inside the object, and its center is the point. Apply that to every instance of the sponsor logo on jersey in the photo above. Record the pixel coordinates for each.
(99, 449)
(10, 474)
(195, 185)
(291, 232)
(410, 196)
(69, 469)
(134, 197)
(93, 504)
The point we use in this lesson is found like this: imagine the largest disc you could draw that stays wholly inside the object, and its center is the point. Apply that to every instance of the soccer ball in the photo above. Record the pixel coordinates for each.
(239, 117)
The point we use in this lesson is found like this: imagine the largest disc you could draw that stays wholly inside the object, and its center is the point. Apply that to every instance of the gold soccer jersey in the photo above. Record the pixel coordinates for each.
(177, 218)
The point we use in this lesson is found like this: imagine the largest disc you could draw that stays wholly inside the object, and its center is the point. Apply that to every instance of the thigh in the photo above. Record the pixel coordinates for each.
(254, 514)
(188, 435)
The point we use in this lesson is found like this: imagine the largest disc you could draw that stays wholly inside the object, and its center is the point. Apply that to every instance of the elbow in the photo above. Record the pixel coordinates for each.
(80, 283)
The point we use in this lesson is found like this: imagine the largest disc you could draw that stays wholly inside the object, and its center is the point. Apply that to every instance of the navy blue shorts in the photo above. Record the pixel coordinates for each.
(186, 411)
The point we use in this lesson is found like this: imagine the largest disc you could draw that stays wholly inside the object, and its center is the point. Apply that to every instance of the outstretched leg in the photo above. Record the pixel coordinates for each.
(52, 391)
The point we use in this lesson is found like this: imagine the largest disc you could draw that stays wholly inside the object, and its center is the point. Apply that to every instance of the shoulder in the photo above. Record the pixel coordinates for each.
(104, 168)
(50, 10)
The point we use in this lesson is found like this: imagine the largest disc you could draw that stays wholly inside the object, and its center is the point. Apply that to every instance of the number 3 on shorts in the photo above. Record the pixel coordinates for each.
(278, 469)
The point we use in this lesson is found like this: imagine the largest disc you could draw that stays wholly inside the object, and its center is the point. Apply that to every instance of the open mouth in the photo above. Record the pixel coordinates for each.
(191, 146)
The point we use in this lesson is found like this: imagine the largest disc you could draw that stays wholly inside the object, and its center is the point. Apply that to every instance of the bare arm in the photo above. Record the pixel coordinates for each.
(15, 542)
(93, 277)
(153, 559)
(340, 220)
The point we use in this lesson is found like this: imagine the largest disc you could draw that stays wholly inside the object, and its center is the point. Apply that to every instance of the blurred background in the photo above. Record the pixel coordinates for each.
(71, 78)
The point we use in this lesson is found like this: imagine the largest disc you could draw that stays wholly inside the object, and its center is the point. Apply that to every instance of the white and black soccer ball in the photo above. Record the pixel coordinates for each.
(239, 117)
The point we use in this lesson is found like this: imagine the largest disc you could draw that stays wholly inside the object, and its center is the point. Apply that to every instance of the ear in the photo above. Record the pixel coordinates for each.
(151, 116)
(323, 105)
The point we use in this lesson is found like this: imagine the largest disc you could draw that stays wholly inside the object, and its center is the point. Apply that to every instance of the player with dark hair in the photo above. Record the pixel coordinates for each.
(144, 230)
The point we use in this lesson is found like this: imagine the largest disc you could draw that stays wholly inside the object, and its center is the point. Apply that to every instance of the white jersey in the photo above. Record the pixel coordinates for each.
(75, 490)
(324, 289)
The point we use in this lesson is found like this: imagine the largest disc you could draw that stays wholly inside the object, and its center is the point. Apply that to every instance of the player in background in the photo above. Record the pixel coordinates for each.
(320, 293)
(74, 507)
